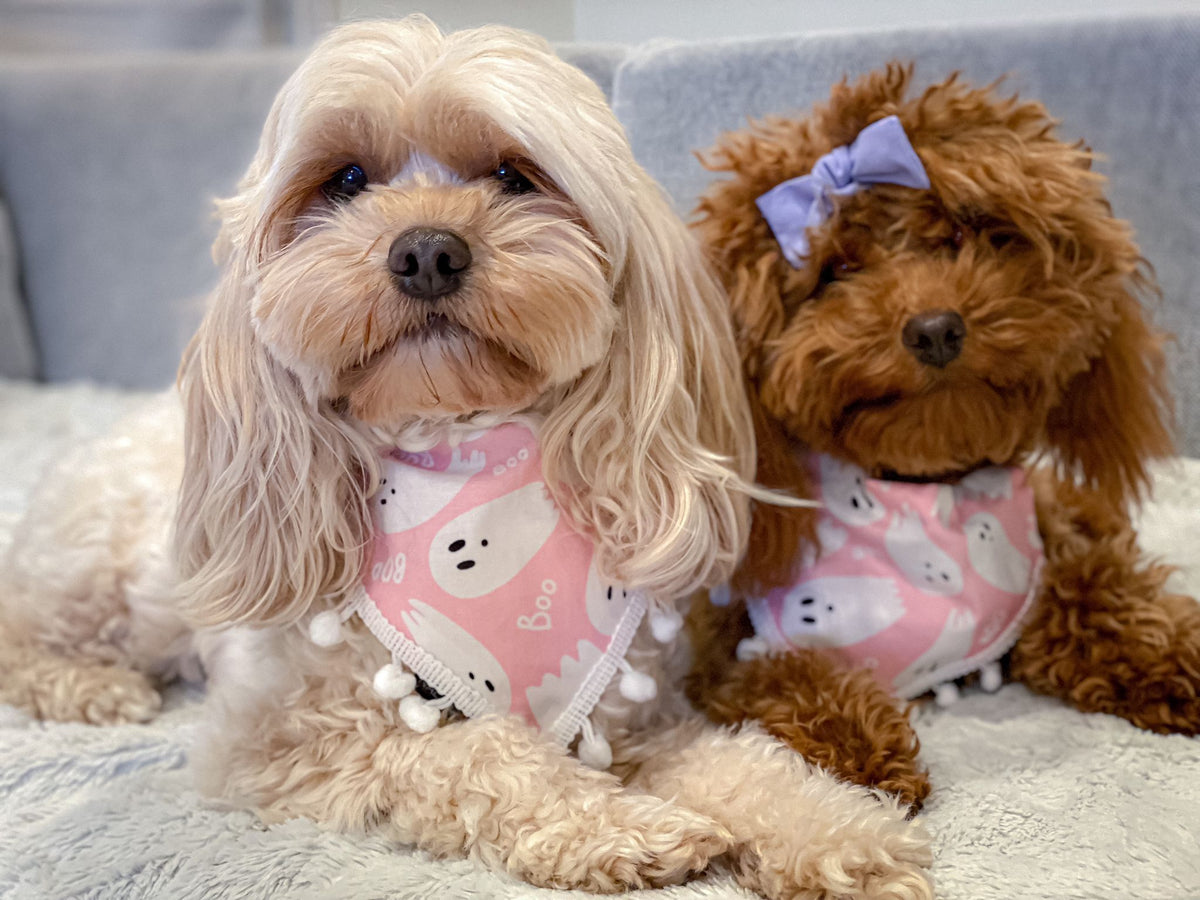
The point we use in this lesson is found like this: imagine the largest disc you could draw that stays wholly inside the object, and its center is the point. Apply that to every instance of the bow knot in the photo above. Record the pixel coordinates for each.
(881, 154)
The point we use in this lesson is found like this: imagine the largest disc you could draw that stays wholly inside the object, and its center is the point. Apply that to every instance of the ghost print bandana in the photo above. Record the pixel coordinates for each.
(923, 583)
(480, 586)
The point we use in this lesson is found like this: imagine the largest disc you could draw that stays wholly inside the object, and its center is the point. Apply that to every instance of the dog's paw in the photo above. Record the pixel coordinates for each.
(859, 848)
(633, 842)
(64, 689)
(105, 695)
(673, 843)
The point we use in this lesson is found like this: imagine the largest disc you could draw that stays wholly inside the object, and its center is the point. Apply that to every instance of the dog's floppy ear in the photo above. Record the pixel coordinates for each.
(1116, 416)
(272, 508)
(740, 246)
(653, 448)
(760, 287)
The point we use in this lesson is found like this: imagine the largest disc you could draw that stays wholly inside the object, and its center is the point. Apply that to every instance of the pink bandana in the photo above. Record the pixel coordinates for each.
(924, 583)
(482, 588)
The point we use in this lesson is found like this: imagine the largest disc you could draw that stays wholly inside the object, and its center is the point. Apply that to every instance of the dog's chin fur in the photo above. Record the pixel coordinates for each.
(891, 436)
(586, 304)
(438, 376)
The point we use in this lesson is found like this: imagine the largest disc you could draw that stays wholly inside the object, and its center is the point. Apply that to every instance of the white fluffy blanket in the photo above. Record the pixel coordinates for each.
(1032, 799)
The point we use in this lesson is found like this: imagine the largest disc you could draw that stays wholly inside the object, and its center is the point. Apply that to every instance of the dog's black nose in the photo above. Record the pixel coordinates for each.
(429, 262)
(935, 338)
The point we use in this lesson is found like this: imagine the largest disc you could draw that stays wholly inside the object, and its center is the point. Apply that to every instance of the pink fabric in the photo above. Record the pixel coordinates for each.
(480, 586)
(924, 583)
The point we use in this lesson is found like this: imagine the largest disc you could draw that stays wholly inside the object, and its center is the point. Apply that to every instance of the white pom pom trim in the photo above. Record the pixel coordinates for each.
(638, 687)
(991, 677)
(665, 625)
(593, 750)
(946, 694)
(325, 628)
(720, 595)
(419, 715)
(394, 682)
(751, 648)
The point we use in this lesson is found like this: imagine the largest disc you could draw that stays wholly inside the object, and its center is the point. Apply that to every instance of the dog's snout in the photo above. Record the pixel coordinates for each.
(935, 338)
(429, 262)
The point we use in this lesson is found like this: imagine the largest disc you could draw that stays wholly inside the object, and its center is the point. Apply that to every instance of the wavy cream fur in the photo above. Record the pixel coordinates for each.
(589, 309)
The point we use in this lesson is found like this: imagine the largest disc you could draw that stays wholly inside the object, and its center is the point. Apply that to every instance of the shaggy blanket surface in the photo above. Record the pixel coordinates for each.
(1031, 799)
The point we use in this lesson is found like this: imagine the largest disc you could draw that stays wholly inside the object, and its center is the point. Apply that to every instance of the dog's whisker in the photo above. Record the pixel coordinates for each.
(371, 249)
(428, 376)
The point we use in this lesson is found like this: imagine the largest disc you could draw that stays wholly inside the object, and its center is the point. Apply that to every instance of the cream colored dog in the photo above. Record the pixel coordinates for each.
(559, 287)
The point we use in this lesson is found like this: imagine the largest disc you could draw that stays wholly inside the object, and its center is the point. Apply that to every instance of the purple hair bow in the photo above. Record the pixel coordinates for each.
(881, 154)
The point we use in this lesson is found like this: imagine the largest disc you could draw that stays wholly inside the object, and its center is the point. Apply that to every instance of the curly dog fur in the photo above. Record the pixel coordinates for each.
(1059, 366)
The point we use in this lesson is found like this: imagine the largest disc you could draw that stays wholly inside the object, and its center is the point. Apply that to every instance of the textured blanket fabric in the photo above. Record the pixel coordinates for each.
(1032, 799)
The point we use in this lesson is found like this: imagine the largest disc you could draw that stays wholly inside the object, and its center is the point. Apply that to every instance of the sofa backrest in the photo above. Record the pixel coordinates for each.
(110, 168)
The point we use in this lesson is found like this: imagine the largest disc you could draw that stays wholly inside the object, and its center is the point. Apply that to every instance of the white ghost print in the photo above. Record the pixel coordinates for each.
(845, 495)
(992, 482)
(409, 494)
(924, 563)
(943, 504)
(953, 644)
(994, 557)
(461, 653)
(831, 537)
(839, 610)
(487, 546)
(606, 601)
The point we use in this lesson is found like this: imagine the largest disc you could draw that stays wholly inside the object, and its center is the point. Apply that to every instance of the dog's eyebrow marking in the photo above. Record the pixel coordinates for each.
(425, 170)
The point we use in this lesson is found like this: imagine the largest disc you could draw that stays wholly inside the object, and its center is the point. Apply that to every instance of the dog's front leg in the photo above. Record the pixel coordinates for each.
(837, 717)
(798, 832)
(1106, 635)
(490, 789)
(495, 791)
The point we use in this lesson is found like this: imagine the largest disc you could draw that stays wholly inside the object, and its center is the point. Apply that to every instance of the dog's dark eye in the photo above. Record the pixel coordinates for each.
(833, 270)
(346, 183)
(1003, 240)
(511, 180)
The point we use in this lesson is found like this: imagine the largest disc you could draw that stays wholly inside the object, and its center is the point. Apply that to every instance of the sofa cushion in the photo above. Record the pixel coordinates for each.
(111, 165)
(1129, 86)
(17, 357)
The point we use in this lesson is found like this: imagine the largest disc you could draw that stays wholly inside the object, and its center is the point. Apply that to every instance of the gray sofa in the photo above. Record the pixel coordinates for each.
(108, 167)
